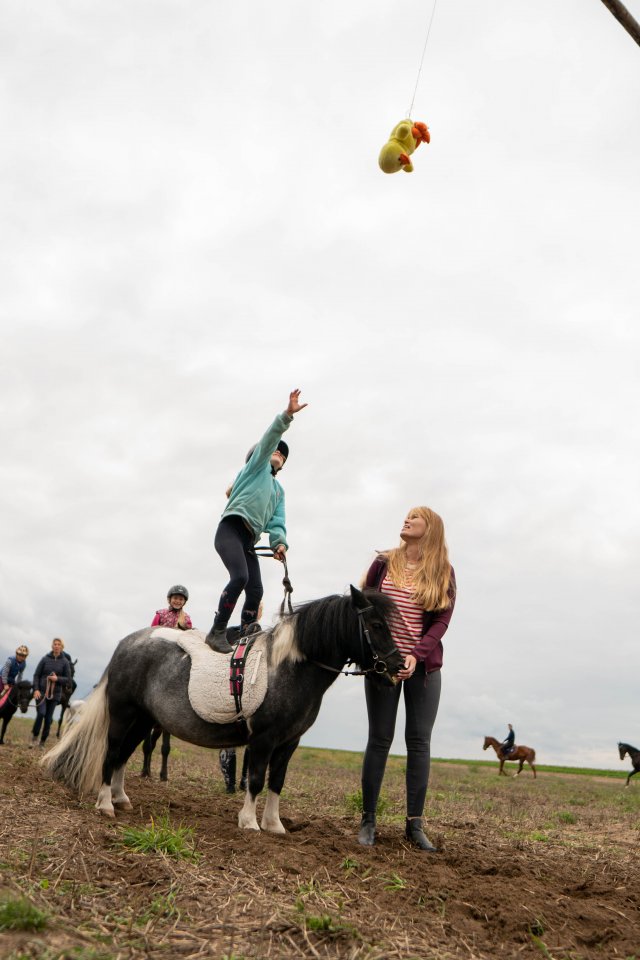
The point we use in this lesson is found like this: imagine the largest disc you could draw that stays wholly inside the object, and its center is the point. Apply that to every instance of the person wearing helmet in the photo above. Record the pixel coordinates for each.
(174, 615)
(14, 667)
(256, 506)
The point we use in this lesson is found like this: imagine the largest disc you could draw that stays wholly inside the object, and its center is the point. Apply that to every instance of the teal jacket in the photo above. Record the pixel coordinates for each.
(256, 495)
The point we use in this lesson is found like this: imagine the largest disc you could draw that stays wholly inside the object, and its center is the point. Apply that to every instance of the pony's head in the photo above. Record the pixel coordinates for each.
(24, 692)
(487, 743)
(622, 749)
(378, 654)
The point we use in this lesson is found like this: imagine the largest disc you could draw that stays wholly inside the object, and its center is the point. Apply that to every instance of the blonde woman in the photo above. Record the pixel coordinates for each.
(417, 575)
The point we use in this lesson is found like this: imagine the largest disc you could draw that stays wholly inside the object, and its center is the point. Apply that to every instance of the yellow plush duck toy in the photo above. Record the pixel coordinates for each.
(404, 139)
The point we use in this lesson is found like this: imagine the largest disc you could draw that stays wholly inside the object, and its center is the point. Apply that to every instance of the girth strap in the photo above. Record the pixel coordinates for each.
(236, 668)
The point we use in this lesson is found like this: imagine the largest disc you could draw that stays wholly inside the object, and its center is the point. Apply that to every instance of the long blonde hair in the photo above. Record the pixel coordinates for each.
(432, 580)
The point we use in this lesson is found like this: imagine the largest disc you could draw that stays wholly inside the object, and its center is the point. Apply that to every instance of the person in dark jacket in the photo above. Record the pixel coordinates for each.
(417, 575)
(52, 675)
(508, 742)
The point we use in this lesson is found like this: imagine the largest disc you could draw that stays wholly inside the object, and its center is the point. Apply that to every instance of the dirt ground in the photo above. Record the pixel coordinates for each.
(545, 868)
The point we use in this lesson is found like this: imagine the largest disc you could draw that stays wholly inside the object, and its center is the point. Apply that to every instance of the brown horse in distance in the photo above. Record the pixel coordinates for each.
(520, 753)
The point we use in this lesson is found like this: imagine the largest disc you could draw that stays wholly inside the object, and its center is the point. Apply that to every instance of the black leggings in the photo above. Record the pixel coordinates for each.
(234, 542)
(421, 705)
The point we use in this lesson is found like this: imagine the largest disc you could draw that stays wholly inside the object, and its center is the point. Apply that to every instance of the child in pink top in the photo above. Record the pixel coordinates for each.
(174, 615)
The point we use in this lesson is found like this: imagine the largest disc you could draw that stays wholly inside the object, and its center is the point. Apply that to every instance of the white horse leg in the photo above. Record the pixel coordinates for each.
(103, 803)
(118, 797)
(271, 815)
(247, 816)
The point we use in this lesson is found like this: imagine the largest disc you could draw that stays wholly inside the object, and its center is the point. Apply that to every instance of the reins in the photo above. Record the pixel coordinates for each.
(286, 582)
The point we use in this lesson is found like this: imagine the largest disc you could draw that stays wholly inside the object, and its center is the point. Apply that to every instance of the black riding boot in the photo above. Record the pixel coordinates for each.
(217, 639)
(367, 834)
(228, 766)
(415, 835)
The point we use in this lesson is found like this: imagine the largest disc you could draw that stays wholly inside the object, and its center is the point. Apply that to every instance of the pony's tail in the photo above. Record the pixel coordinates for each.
(77, 760)
(533, 754)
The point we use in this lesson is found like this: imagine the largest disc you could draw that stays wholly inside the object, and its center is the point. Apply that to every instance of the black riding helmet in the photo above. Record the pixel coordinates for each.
(178, 591)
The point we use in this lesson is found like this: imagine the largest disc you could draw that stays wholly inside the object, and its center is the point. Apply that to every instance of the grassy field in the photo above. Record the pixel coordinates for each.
(527, 868)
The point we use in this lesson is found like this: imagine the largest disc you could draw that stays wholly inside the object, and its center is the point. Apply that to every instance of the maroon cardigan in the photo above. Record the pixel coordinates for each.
(434, 622)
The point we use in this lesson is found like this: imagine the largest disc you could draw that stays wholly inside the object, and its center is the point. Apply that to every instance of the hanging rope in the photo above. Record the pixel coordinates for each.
(424, 50)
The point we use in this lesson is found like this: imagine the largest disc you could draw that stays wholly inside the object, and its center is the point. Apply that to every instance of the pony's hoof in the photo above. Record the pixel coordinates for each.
(273, 827)
(111, 814)
(248, 825)
(122, 805)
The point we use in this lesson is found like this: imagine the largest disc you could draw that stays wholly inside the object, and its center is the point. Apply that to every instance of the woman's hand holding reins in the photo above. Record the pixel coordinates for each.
(294, 405)
(280, 552)
(409, 667)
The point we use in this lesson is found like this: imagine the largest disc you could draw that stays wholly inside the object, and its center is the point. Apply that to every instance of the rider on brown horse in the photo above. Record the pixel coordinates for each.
(507, 744)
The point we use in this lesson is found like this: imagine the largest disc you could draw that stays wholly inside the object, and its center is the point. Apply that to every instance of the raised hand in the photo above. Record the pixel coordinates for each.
(294, 403)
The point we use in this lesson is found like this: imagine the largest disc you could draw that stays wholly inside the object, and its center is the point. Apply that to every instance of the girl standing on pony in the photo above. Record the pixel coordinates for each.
(417, 575)
(256, 506)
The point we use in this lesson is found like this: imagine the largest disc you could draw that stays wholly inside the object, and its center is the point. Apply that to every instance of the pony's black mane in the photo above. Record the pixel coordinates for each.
(328, 628)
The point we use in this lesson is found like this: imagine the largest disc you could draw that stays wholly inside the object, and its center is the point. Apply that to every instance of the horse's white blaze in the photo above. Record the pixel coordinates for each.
(247, 816)
(103, 803)
(271, 815)
(118, 797)
(283, 646)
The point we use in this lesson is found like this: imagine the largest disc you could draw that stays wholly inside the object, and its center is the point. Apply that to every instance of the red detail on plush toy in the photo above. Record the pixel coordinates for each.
(421, 133)
(403, 158)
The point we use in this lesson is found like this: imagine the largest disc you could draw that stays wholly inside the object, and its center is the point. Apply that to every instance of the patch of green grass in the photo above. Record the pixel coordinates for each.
(539, 837)
(20, 914)
(353, 802)
(394, 882)
(161, 837)
(566, 816)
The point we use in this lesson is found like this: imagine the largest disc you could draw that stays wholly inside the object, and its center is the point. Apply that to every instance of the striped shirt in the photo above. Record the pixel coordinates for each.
(406, 622)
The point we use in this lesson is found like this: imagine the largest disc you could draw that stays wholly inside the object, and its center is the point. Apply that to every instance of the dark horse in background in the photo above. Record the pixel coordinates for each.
(67, 693)
(634, 756)
(18, 699)
(519, 752)
(146, 682)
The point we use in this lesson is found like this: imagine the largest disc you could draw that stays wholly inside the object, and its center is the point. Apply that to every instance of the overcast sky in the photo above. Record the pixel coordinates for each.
(194, 223)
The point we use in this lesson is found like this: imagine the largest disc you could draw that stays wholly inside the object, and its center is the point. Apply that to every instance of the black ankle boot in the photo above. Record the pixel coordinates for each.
(367, 834)
(415, 835)
(217, 640)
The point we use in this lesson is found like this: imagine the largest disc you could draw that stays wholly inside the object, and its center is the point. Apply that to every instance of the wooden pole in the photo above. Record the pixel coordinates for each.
(623, 16)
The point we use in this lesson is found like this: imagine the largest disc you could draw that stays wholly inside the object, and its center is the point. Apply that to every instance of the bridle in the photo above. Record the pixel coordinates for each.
(379, 665)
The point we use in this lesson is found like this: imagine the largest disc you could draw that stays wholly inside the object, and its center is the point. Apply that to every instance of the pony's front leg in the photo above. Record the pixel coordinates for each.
(119, 798)
(277, 773)
(259, 761)
(247, 819)
(103, 803)
(501, 770)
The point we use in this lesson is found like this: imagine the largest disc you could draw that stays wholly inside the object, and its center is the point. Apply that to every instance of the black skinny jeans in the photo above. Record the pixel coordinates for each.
(46, 716)
(421, 705)
(234, 542)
